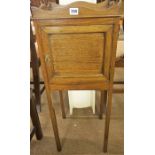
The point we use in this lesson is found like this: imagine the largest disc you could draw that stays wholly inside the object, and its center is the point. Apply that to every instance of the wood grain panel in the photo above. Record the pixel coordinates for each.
(77, 22)
(108, 49)
(69, 57)
(76, 29)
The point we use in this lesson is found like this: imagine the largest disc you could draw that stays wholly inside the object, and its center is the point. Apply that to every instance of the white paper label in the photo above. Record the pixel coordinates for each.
(73, 11)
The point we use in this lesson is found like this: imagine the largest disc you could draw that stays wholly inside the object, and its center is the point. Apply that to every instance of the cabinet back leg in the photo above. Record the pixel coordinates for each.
(103, 101)
(62, 104)
(107, 121)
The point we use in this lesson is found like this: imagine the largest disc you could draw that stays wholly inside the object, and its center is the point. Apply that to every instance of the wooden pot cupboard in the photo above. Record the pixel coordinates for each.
(77, 47)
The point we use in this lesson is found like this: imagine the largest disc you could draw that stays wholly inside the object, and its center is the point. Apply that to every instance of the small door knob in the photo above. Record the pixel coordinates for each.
(47, 58)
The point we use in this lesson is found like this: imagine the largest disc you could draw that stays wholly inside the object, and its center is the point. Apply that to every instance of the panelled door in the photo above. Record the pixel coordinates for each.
(77, 51)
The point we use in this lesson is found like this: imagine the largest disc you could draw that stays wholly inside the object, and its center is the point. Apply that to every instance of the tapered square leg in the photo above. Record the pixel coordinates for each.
(54, 121)
(103, 102)
(62, 104)
(107, 121)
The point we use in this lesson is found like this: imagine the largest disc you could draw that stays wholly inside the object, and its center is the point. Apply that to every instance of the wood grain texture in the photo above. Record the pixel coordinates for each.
(85, 10)
(48, 92)
(62, 104)
(78, 52)
(110, 91)
(103, 103)
(79, 60)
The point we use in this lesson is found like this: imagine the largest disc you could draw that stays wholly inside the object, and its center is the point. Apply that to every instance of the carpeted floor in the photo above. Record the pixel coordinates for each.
(82, 133)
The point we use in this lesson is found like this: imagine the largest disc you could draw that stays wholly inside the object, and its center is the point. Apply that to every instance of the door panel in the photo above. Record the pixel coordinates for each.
(81, 51)
(77, 53)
